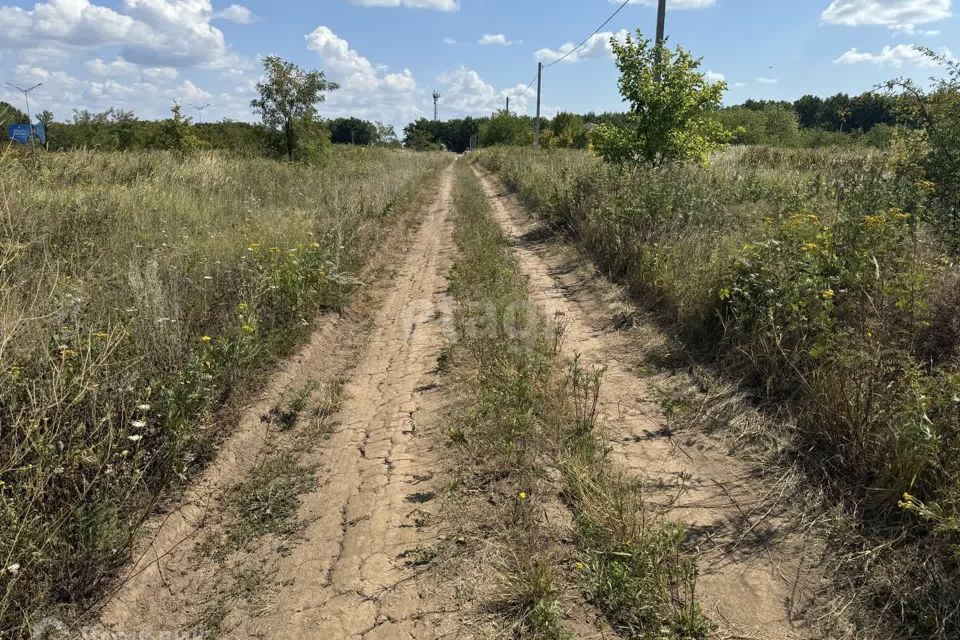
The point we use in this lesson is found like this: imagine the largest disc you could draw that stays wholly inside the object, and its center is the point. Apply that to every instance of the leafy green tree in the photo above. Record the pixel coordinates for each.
(288, 95)
(506, 130)
(933, 144)
(774, 124)
(176, 135)
(352, 131)
(386, 135)
(45, 118)
(569, 131)
(9, 114)
(670, 118)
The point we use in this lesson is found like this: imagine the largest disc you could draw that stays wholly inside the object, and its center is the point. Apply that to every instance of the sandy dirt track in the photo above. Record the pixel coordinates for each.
(353, 571)
(758, 579)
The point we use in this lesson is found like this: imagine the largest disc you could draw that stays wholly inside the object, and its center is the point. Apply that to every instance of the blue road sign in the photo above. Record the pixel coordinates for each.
(21, 133)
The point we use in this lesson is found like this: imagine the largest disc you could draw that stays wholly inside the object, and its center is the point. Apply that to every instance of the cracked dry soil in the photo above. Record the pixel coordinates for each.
(357, 566)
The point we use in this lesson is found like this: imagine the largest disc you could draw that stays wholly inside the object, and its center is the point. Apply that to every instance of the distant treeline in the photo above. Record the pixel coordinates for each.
(810, 121)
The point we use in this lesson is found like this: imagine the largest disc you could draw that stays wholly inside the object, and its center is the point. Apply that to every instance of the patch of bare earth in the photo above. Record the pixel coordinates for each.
(760, 576)
(353, 560)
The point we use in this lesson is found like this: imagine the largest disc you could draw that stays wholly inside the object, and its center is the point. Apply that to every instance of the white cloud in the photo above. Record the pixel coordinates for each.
(598, 45)
(467, 93)
(150, 32)
(161, 73)
(236, 13)
(189, 93)
(449, 41)
(119, 67)
(366, 91)
(675, 4)
(437, 5)
(497, 39)
(903, 14)
(764, 80)
(714, 76)
(895, 56)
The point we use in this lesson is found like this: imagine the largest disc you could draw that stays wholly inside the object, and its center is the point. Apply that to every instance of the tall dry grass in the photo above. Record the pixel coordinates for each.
(811, 276)
(138, 291)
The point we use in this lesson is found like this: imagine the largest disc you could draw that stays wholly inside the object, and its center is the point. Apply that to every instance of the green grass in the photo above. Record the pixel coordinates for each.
(138, 293)
(528, 412)
(810, 276)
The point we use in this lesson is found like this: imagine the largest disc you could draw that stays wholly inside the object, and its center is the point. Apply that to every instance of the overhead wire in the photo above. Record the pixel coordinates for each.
(587, 39)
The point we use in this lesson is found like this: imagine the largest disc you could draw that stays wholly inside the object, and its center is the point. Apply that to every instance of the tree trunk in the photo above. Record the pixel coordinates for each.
(289, 133)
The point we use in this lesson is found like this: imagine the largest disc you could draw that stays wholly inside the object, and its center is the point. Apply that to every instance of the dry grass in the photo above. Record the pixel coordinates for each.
(138, 292)
(807, 275)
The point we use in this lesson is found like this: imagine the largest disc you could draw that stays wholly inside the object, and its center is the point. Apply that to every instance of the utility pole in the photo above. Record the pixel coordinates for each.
(200, 109)
(26, 97)
(508, 105)
(436, 97)
(661, 30)
(536, 141)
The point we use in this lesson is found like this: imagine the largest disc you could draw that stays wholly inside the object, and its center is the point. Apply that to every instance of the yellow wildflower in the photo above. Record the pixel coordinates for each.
(828, 294)
(206, 339)
(247, 328)
(101, 335)
(254, 246)
(580, 566)
(242, 306)
(809, 246)
(521, 496)
(274, 249)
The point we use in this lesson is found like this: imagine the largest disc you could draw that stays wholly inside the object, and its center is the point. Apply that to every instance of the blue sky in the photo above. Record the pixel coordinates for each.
(389, 55)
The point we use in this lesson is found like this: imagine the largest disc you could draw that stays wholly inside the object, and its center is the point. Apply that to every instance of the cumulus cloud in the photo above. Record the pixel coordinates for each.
(597, 46)
(236, 13)
(149, 32)
(437, 5)
(465, 92)
(896, 56)
(118, 67)
(366, 90)
(714, 76)
(765, 80)
(900, 14)
(497, 39)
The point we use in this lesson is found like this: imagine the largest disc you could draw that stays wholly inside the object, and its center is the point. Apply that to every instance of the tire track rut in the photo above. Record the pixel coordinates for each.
(758, 577)
(358, 568)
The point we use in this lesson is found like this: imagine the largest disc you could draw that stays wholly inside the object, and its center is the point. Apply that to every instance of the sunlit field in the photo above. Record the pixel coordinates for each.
(138, 292)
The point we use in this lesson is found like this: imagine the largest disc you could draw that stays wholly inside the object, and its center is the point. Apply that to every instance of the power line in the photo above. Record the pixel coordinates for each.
(587, 39)
(529, 84)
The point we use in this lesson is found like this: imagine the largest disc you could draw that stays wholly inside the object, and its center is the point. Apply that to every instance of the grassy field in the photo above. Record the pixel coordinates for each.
(138, 293)
(810, 276)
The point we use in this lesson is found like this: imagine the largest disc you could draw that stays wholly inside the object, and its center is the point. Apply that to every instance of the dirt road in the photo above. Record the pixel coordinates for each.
(350, 566)
(757, 578)
(351, 557)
